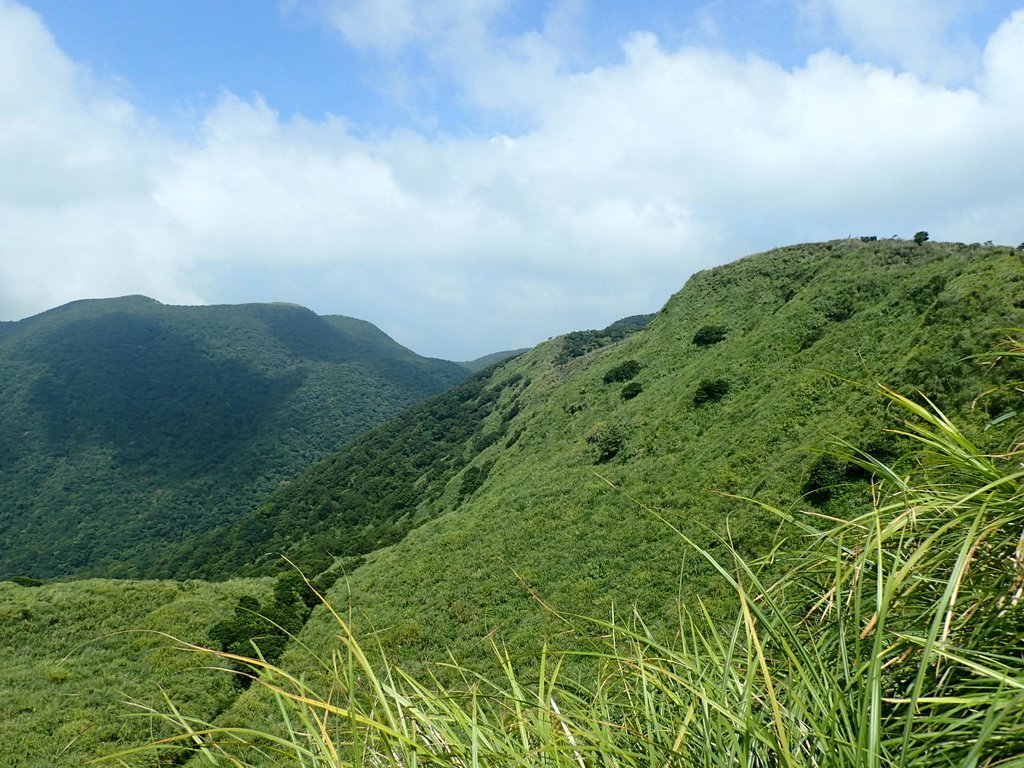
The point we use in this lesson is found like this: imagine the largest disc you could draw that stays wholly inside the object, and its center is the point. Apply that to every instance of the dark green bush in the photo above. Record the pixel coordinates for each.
(623, 372)
(610, 440)
(473, 478)
(267, 625)
(710, 391)
(710, 334)
(827, 473)
(631, 390)
(25, 581)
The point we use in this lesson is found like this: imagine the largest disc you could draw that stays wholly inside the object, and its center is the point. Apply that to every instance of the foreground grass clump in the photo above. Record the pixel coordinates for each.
(891, 639)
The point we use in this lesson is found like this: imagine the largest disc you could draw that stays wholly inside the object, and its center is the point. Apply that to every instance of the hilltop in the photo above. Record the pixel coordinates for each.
(130, 425)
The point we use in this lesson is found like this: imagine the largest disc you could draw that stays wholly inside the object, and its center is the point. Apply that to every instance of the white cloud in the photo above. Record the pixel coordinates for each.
(920, 36)
(1003, 80)
(628, 179)
(389, 25)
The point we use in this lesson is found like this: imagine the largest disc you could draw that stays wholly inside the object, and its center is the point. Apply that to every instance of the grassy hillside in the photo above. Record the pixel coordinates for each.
(890, 638)
(381, 486)
(729, 390)
(130, 425)
(72, 655)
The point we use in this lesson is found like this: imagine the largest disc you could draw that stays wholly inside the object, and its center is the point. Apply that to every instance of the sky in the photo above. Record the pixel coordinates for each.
(480, 175)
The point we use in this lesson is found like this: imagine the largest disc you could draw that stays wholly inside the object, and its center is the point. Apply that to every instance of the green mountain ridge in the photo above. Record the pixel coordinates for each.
(570, 503)
(553, 476)
(492, 359)
(130, 424)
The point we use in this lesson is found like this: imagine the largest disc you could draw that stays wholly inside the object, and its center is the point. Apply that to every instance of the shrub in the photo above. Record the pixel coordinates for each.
(710, 391)
(921, 237)
(473, 478)
(710, 334)
(25, 581)
(623, 372)
(631, 390)
(827, 472)
(610, 440)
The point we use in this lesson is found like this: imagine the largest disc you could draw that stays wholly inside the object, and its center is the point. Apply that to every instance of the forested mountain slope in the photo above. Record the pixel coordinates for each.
(743, 373)
(379, 487)
(129, 425)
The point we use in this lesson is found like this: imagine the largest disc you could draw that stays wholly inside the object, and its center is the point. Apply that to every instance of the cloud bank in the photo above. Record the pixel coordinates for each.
(614, 185)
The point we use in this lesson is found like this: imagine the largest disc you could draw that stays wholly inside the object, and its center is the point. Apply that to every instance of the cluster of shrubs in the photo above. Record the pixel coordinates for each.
(25, 581)
(268, 626)
(609, 440)
(631, 390)
(473, 478)
(710, 334)
(710, 391)
(623, 372)
(827, 473)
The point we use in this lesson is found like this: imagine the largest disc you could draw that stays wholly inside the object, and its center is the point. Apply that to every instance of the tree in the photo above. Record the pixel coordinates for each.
(921, 237)
(710, 391)
(710, 334)
(623, 372)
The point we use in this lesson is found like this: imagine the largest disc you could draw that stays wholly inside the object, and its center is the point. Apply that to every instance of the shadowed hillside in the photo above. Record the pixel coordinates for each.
(130, 425)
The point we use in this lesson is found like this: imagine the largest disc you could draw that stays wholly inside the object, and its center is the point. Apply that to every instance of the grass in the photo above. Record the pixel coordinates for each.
(892, 638)
(71, 653)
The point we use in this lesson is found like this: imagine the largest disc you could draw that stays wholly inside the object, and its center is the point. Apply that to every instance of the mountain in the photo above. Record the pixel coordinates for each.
(488, 360)
(130, 425)
(572, 473)
(382, 485)
(557, 476)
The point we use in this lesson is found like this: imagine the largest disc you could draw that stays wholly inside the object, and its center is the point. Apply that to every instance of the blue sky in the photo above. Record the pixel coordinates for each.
(474, 175)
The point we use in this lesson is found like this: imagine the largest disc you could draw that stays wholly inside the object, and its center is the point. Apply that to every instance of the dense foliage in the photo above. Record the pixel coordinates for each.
(130, 425)
(622, 372)
(579, 343)
(367, 496)
(707, 335)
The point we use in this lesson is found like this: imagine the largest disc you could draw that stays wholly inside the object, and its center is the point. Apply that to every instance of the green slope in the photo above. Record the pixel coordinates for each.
(522, 483)
(384, 484)
(546, 522)
(130, 425)
(73, 654)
